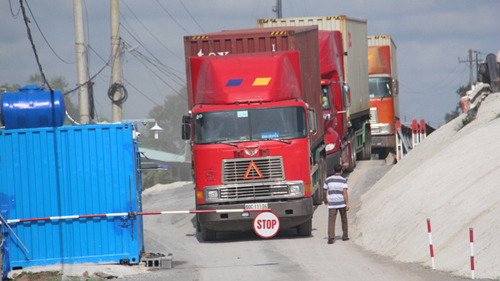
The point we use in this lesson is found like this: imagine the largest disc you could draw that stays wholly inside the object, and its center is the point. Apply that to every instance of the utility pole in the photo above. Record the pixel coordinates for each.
(116, 75)
(278, 9)
(471, 66)
(81, 61)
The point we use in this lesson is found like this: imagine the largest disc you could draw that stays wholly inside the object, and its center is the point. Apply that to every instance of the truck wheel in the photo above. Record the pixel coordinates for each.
(367, 149)
(352, 163)
(318, 195)
(198, 227)
(305, 229)
(208, 234)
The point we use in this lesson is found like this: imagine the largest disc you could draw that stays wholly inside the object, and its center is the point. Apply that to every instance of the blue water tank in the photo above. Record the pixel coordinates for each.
(32, 107)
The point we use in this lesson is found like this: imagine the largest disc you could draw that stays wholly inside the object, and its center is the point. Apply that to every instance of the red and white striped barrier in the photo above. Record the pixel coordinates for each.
(423, 130)
(415, 134)
(137, 214)
(430, 243)
(471, 252)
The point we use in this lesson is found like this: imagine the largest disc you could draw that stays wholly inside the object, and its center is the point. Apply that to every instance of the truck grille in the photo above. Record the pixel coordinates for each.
(235, 170)
(252, 192)
(373, 115)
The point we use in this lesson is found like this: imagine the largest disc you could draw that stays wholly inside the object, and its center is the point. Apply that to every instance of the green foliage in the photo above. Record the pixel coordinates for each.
(151, 178)
(57, 83)
(458, 109)
(103, 119)
(462, 124)
(169, 118)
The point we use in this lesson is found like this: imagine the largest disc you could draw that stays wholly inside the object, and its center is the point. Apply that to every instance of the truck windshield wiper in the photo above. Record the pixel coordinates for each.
(226, 141)
(281, 140)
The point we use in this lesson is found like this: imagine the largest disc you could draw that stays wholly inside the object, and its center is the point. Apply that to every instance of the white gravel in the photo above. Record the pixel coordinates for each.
(452, 178)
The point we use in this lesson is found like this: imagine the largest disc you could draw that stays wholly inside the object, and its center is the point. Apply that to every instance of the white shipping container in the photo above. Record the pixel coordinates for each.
(354, 34)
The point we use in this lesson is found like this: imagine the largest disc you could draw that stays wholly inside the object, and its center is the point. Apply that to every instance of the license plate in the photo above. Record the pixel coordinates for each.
(256, 206)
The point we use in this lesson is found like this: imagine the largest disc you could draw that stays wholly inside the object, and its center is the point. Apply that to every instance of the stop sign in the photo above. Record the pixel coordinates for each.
(266, 224)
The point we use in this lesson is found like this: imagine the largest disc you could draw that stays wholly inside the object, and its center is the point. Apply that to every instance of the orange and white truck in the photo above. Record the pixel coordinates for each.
(384, 93)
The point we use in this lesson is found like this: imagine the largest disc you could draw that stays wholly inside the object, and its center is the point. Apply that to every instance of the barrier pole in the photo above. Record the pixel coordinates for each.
(135, 214)
(430, 243)
(471, 252)
(415, 134)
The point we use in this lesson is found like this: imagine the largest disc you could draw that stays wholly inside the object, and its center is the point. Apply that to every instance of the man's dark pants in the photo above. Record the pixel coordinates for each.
(332, 217)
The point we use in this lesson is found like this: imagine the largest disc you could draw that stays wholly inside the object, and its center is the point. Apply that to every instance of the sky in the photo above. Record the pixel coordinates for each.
(431, 38)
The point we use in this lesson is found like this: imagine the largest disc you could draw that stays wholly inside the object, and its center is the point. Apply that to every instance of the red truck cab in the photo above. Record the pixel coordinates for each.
(335, 98)
(251, 141)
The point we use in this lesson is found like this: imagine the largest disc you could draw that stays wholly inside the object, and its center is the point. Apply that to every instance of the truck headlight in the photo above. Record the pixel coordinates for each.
(295, 188)
(330, 147)
(213, 194)
(385, 128)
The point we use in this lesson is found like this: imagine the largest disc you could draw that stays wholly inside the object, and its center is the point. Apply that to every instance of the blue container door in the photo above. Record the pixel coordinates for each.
(80, 170)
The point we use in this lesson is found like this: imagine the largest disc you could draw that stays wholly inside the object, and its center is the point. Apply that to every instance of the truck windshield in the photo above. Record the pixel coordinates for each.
(380, 87)
(252, 124)
(325, 98)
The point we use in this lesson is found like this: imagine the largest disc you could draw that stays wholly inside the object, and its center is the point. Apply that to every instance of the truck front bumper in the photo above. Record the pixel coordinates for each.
(383, 141)
(291, 213)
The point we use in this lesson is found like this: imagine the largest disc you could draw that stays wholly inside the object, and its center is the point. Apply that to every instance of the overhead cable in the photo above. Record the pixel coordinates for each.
(192, 16)
(172, 17)
(148, 29)
(26, 21)
(44, 38)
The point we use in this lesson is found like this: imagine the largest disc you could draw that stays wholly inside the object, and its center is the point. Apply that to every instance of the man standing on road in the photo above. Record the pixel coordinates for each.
(335, 194)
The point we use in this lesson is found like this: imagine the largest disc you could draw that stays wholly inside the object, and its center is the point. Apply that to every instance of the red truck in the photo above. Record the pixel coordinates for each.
(254, 109)
(384, 93)
(344, 73)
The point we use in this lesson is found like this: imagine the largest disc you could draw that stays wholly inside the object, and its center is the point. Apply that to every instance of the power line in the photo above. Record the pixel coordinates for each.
(44, 38)
(12, 12)
(160, 78)
(26, 20)
(164, 9)
(160, 66)
(436, 86)
(148, 29)
(192, 16)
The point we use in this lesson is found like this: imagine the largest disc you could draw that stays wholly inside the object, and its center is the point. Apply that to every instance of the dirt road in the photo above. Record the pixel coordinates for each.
(246, 256)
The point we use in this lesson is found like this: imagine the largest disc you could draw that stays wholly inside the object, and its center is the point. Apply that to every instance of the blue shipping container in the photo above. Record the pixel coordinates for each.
(67, 171)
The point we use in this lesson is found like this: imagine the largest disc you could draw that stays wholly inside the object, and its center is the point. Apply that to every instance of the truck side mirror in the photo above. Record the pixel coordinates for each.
(346, 96)
(313, 121)
(186, 127)
(396, 86)
(186, 132)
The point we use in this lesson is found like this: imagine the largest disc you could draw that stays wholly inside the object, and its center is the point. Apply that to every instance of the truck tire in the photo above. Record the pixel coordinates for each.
(318, 195)
(305, 229)
(352, 163)
(198, 227)
(367, 149)
(208, 234)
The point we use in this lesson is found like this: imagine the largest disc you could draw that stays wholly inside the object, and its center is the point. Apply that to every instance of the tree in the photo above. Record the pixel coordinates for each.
(169, 118)
(57, 83)
(458, 110)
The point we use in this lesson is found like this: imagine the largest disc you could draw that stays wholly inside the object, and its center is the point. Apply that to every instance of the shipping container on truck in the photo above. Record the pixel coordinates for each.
(354, 32)
(254, 107)
(384, 93)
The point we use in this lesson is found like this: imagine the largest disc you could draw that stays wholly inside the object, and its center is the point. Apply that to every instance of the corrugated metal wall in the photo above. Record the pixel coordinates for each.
(354, 34)
(77, 170)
